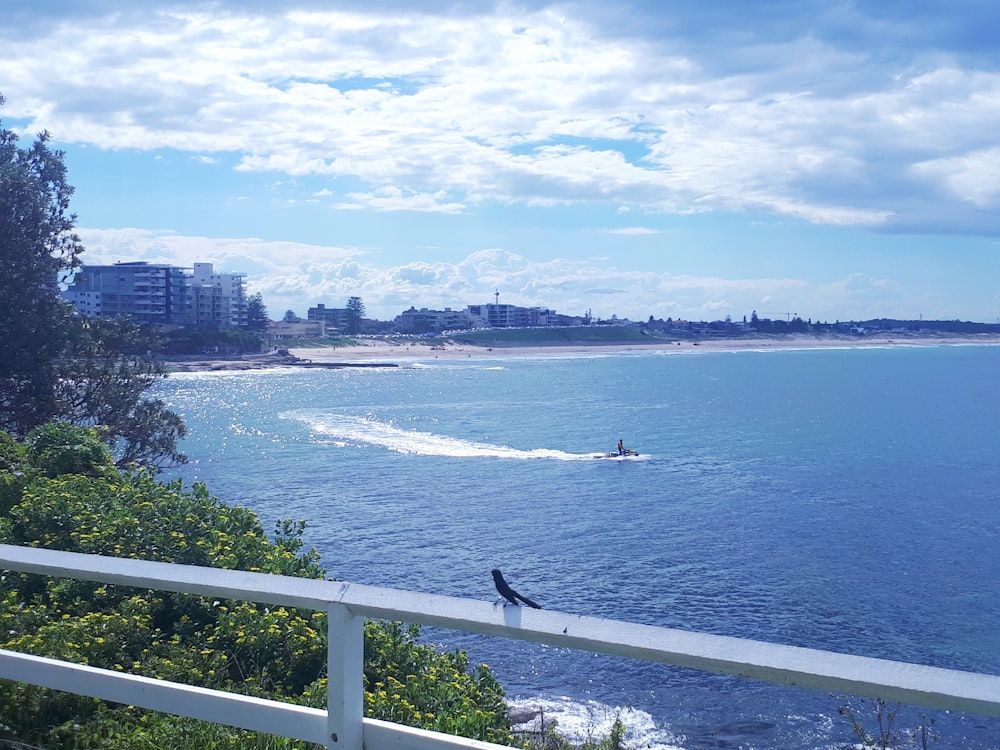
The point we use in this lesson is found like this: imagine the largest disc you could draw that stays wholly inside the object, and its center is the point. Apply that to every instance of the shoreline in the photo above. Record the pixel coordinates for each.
(240, 363)
(390, 352)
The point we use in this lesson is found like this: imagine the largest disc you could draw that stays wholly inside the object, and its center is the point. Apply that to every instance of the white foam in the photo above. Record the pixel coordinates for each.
(580, 721)
(344, 429)
(218, 374)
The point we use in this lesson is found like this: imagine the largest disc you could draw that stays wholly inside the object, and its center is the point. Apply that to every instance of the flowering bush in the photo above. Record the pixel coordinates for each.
(230, 645)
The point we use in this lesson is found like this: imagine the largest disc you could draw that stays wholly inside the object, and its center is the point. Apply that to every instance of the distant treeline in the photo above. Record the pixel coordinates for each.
(653, 330)
(939, 326)
(798, 325)
(216, 341)
(234, 342)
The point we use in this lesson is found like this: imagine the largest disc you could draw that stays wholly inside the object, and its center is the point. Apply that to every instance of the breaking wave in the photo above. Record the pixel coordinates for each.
(586, 721)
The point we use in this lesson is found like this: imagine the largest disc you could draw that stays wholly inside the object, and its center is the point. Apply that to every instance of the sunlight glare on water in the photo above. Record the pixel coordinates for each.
(846, 500)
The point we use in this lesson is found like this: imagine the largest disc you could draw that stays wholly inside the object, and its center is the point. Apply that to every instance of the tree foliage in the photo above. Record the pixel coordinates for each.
(61, 448)
(355, 314)
(275, 652)
(103, 383)
(256, 313)
(54, 365)
(37, 244)
(216, 341)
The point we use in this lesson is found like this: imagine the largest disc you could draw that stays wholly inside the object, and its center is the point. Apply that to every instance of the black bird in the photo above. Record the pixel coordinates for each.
(508, 593)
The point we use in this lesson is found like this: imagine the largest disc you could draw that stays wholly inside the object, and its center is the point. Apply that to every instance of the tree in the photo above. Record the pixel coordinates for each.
(53, 365)
(102, 384)
(290, 317)
(37, 243)
(256, 313)
(355, 314)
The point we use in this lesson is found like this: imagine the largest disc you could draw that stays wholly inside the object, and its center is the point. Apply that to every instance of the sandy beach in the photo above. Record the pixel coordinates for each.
(401, 352)
(389, 351)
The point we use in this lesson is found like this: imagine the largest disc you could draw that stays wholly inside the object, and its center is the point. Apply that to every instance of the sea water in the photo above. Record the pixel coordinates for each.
(841, 499)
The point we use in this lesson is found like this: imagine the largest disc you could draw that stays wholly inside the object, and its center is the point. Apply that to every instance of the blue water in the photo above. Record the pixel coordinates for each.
(838, 499)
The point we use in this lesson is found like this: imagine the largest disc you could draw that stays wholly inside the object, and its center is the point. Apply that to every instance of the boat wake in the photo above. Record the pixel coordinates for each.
(354, 431)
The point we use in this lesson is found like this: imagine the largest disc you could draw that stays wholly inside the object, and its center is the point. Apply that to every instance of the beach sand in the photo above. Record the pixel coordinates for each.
(401, 352)
(389, 351)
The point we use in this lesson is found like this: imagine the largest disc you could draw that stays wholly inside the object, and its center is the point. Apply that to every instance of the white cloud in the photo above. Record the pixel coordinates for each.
(633, 231)
(297, 276)
(436, 113)
(972, 177)
(250, 255)
(393, 199)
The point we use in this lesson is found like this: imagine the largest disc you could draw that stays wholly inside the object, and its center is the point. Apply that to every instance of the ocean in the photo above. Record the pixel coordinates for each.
(842, 499)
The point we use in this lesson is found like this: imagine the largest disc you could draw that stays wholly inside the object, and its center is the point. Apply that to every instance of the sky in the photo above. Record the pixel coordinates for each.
(689, 159)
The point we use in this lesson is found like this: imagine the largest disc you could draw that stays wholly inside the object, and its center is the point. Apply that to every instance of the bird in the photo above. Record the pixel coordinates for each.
(508, 593)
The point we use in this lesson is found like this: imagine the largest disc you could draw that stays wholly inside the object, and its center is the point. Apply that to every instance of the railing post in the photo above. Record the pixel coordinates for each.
(345, 679)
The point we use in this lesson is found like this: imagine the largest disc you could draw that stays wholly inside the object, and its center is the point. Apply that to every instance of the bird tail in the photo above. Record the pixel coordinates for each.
(528, 601)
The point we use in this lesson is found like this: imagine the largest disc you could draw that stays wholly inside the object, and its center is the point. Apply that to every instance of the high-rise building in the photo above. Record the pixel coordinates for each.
(160, 294)
(334, 318)
(218, 299)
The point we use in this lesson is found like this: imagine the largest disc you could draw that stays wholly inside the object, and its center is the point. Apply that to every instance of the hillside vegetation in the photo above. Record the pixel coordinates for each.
(59, 489)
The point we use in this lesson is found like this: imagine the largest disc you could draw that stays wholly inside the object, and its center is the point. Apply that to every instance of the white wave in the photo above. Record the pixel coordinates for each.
(219, 374)
(445, 364)
(582, 721)
(343, 429)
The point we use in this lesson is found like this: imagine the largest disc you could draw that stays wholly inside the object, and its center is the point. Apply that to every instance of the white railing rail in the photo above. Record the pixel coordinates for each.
(347, 605)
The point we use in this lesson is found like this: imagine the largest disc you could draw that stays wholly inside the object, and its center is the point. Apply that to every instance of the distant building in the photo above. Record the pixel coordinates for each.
(160, 294)
(334, 318)
(433, 321)
(512, 316)
(148, 292)
(218, 299)
(298, 329)
(474, 316)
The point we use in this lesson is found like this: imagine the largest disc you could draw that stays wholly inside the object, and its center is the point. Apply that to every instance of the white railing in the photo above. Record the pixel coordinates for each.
(347, 605)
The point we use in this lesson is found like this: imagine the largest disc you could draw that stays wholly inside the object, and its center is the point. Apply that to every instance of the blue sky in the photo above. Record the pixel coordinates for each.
(837, 160)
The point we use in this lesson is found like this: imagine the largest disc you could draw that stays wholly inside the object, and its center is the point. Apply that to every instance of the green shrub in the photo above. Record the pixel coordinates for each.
(12, 453)
(63, 448)
(14, 471)
(411, 683)
(277, 652)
